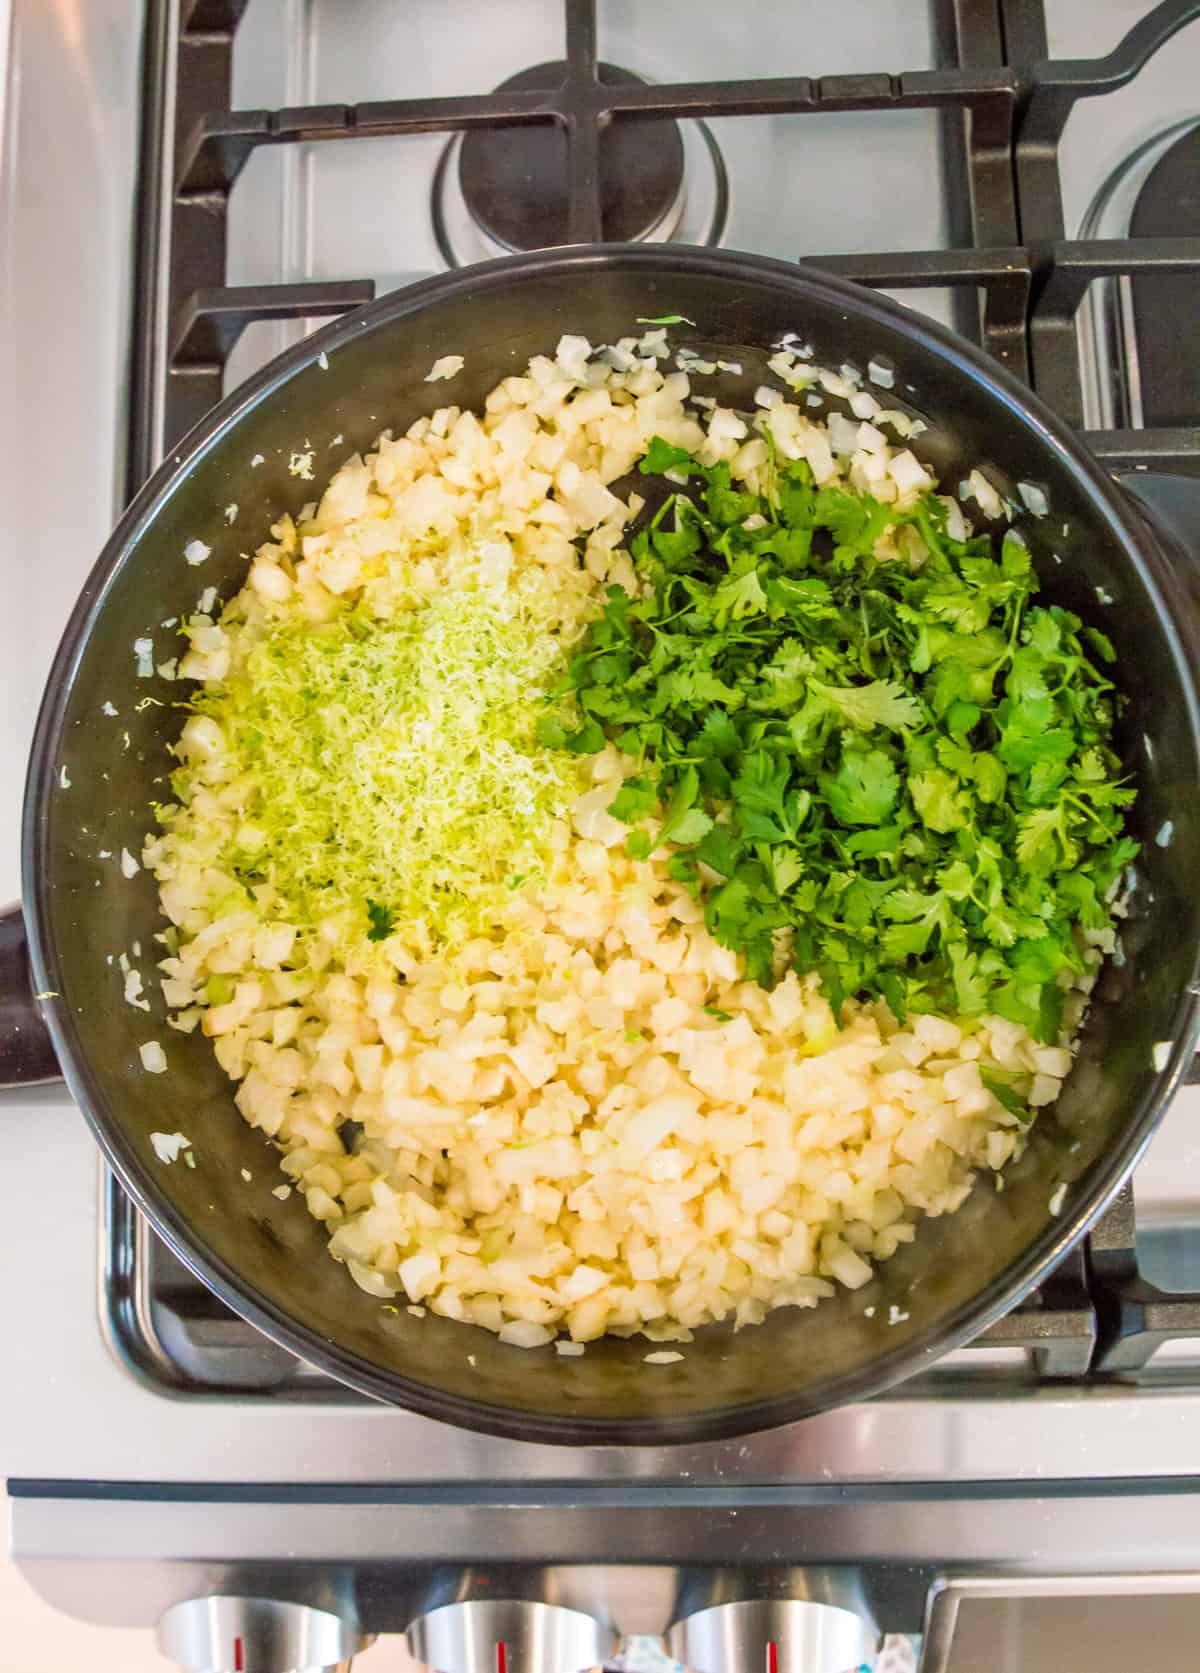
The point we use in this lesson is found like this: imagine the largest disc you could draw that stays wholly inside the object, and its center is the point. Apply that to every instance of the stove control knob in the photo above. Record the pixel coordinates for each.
(255, 1635)
(491, 1635)
(781, 1636)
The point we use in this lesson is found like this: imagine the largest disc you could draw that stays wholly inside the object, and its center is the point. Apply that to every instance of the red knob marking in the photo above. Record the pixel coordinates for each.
(239, 1657)
(772, 1656)
(501, 1656)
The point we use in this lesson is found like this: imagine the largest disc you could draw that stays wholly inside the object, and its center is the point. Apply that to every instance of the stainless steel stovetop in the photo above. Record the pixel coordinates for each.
(155, 1448)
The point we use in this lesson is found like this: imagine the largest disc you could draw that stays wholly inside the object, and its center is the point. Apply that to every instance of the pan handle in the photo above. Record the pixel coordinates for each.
(26, 1051)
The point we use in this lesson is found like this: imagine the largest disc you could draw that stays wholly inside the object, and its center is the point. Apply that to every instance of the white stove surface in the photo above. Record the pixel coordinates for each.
(801, 185)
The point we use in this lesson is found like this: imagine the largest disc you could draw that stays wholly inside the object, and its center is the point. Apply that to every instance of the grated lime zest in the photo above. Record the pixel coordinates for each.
(391, 762)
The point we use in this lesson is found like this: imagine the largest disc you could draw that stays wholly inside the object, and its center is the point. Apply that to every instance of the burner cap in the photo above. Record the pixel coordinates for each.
(514, 179)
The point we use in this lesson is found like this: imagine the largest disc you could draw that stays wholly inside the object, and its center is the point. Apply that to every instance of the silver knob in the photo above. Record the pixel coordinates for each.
(486, 1635)
(781, 1636)
(255, 1635)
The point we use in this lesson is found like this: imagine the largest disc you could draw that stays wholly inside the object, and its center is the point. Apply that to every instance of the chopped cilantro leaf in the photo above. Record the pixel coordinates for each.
(899, 775)
(636, 799)
(881, 703)
(1006, 1095)
(935, 797)
(863, 790)
(382, 921)
(660, 456)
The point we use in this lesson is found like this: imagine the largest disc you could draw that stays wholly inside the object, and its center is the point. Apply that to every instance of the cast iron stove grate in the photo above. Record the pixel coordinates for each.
(1017, 283)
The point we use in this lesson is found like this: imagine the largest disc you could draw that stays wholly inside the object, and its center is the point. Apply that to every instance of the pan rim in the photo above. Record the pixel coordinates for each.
(1182, 635)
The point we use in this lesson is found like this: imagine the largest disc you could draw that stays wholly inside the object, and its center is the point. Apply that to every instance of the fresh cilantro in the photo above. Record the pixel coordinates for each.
(587, 740)
(936, 799)
(899, 775)
(738, 596)
(660, 456)
(863, 790)
(635, 800)
(1006, 1095)
(685, 823)
(550, 732)
(724, 503)
(881, 703)
(382, 921)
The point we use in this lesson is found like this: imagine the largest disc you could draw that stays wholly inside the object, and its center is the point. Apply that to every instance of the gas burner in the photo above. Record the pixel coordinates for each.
(499, 190)
(1135, 374)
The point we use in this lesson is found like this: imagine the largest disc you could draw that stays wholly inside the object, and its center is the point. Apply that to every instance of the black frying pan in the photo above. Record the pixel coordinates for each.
(266, 1258)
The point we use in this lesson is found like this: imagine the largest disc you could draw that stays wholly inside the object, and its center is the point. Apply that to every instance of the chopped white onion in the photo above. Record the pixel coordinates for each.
(880, 372)
(154, 1058)
(446, 366)
(167, 1146)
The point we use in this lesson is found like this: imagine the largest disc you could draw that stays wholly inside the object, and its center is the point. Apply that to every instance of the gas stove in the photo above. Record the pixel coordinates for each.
(181, 200)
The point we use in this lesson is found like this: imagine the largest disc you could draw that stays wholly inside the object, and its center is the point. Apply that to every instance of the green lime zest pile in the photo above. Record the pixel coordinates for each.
(396, 780)
(907, 766)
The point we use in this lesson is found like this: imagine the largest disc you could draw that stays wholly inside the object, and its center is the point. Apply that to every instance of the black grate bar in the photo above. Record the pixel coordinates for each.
(1131, 450)
(211, 17)
(1057, 1322)
(1003, 274)
(1063, 272)
(1057, 83)
(584, 221)
(219, 144)
(1069, 268)
(976, 148)
(980, 207)
(218, 147)
(211, 321)
(1023, 23)
(929, 268)
(1048, 94)
(1134, 1316)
